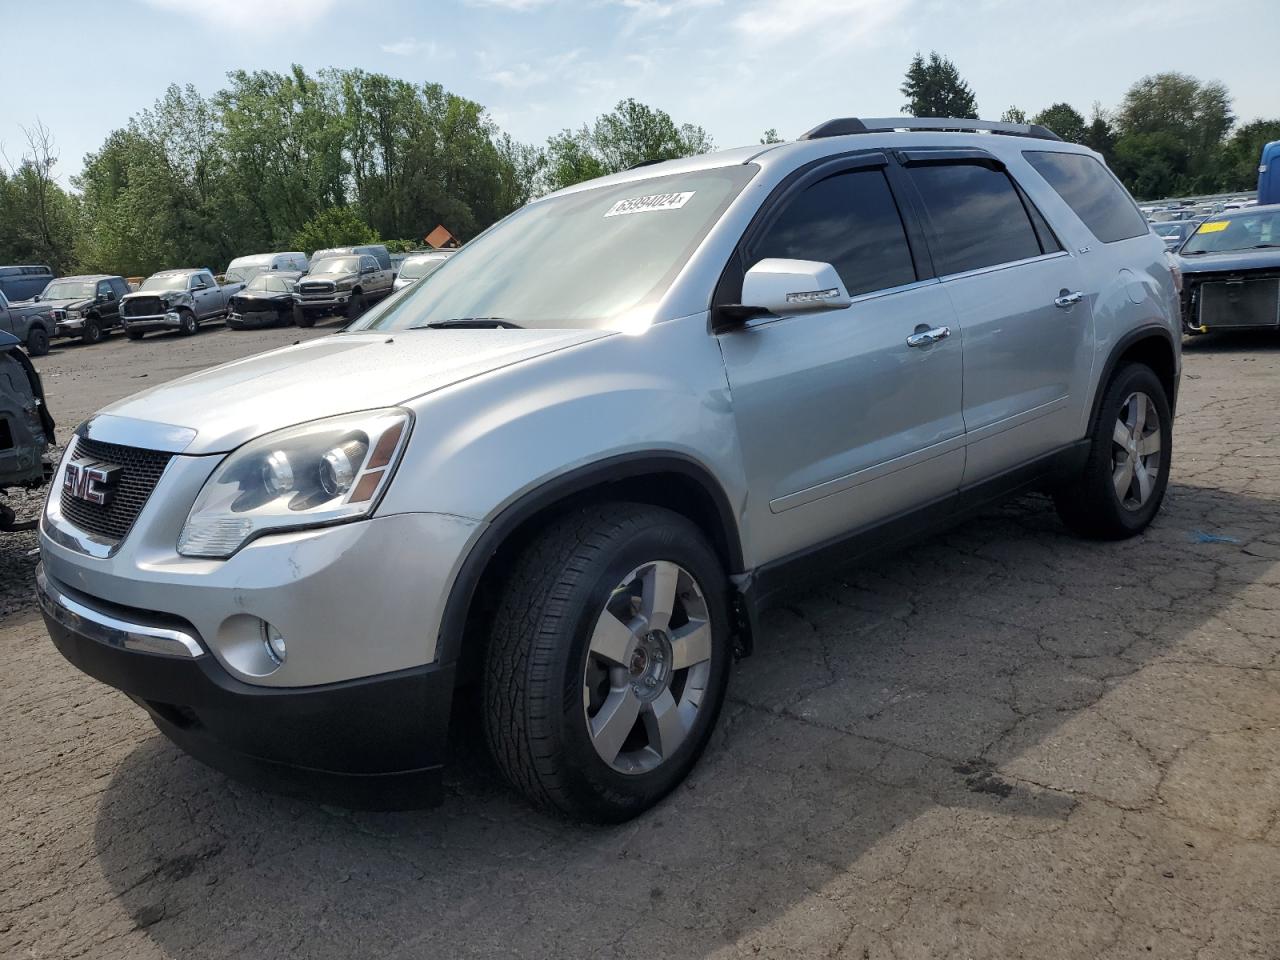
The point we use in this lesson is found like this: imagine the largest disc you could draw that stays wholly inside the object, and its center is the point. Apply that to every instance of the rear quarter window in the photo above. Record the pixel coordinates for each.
(1091, 190)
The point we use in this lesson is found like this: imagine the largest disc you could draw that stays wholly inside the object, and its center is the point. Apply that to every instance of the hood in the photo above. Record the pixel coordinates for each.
(75, 303)
(162, 294)
(1265, 259)
(238, 401)
(328, 277)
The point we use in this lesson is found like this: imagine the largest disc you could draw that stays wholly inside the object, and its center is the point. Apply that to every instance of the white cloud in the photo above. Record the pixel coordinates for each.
(520, 6)
(409, 47)
(238, 14)
(771, 21)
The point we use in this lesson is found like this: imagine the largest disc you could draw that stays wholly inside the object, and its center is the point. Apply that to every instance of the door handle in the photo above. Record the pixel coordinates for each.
(926, 337)
(1067, 300)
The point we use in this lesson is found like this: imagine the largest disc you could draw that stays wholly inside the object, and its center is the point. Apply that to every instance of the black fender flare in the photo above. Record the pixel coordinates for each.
(1147, 331)
(557, 489)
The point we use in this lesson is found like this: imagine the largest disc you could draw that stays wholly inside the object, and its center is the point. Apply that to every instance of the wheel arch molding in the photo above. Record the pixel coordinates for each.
(661, 478)
(1151, 344)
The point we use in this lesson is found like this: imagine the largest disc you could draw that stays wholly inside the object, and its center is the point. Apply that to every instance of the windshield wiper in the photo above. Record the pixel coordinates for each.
(469, 323)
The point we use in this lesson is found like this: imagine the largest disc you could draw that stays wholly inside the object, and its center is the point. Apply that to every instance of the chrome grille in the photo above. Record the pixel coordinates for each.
(140, 472)
(316, 288)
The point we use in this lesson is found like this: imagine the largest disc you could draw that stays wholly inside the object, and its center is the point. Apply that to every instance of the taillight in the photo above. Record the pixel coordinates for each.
(1175, 271)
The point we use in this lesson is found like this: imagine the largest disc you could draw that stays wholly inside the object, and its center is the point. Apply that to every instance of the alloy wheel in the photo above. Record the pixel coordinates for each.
(648, 666)
(1136, 456)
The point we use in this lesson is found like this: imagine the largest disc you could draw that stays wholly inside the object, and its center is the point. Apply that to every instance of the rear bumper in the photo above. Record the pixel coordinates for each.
(376, 742)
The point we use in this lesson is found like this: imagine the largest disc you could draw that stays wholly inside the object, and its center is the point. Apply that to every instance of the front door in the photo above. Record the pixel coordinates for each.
(842, 424)
(1021, 301)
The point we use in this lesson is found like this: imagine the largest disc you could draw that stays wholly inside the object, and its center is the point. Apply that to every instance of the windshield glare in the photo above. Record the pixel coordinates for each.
(172, 281)
(337, 265)
(1240, 231)
(264, 281)
(416, 269)
(598, 257)
(70, 290)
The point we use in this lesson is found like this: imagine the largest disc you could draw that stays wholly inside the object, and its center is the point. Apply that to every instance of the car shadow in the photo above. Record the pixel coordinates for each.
(962, 674)
(1241, 341)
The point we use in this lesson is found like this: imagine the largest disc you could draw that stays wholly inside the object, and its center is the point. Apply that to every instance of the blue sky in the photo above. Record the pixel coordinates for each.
(734, 66)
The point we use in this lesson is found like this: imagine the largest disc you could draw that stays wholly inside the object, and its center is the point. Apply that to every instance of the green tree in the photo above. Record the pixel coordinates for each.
(934, 88)
(1152, 165)
(1196, 114)
(1238, 169)
(38, 219)
(1099, 134)
(1064, 120)
(771, 136)
(632, 133)
(334, 227)
(1014, 115)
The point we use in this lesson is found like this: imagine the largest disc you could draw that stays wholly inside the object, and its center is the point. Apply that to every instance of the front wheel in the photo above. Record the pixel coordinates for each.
(92, 331)
(355, 306)
(608, 661)
(38, 342)
(188, 326)
(303, 319)
(133, 334)
(1127, 471)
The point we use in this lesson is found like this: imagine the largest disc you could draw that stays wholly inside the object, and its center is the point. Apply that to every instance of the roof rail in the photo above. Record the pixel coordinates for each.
(843, 126)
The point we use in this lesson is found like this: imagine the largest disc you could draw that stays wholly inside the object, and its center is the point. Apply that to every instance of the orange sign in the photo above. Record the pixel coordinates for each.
(440, 237)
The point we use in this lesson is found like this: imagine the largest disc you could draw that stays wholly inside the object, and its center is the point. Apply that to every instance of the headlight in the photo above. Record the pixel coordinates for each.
(73, 314)
(317, 473)
(345, 284)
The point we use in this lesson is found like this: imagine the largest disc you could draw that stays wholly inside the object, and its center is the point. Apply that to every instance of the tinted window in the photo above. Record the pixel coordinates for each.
(977, 218)
(1092, 192)
(368, 263)
(849, 220)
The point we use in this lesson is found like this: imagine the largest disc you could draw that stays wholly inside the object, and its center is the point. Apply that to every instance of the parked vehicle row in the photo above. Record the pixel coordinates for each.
(574, 467)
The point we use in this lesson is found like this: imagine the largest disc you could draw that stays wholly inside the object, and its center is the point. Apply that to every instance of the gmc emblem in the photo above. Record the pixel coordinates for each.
(91, 482)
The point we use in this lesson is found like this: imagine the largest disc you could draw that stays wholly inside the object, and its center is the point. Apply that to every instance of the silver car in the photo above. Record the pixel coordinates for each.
(419, 265)
(574, 467)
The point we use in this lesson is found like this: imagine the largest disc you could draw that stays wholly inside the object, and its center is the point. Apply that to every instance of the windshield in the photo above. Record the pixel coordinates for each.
(337, 265)
(245, 272)
(265, 281)
(1242, 230)
(1168, 229)
(70, 290)
(417, 269)
(593, 258)
(165, 281)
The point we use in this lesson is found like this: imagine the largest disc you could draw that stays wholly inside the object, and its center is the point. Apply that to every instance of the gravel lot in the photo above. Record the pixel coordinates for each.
(1002, 743)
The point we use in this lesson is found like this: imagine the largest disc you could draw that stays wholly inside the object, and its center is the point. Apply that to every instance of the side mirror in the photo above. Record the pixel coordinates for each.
(36, 298)
(201, 286)
(783, 288)
(368, 269)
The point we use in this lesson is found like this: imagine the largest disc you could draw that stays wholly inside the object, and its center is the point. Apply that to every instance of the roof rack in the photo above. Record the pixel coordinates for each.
(843, 126)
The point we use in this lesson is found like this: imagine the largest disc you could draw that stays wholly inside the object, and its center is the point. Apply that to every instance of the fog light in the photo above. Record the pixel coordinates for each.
(273, 640)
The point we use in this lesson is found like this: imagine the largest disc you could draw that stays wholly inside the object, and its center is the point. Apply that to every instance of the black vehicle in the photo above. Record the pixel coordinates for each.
(86, 307)
(1175, 232)
(266, 300)
(26, 428)
(23, 282)
(1231, 272)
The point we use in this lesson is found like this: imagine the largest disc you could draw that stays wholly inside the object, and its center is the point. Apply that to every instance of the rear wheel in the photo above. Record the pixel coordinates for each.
(608, 661)
(91, 332)
(1125, 477)
(38, 341)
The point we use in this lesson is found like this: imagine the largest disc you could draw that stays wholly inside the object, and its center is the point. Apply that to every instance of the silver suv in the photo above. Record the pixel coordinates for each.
(570, 467)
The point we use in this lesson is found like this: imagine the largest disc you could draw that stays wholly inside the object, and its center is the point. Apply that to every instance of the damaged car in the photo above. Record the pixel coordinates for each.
(267, 300)
(1231, 272)
(26, 428)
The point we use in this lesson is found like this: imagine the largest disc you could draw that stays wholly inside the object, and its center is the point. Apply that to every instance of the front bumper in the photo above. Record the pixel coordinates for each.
(256, 318)
(69, 327)
(375, 742)
(154, 321)
(337, 301)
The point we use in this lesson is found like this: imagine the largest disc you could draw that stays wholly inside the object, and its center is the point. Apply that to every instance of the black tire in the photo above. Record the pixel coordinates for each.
(1090, 506)
(37, 341)
(189, 326)
(355, 306)
(535, 720)
(133, 334)
(303, 319)
(92, 331)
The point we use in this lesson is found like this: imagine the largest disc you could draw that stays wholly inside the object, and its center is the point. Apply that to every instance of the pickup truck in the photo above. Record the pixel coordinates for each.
(175, 300)
(344, 284)
(26, 429)
(29, 321)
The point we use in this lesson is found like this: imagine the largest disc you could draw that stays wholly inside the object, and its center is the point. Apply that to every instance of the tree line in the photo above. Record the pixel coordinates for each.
(294, 160)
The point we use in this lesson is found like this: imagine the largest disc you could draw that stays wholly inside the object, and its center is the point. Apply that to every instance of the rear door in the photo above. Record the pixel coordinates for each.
(840, 422)
(1021, 302)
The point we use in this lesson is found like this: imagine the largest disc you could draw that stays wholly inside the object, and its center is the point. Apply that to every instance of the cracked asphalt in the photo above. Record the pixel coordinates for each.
(1004, 742)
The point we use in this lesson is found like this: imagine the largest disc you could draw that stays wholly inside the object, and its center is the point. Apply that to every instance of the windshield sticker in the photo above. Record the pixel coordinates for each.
(1216, 227)
(655, 201)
